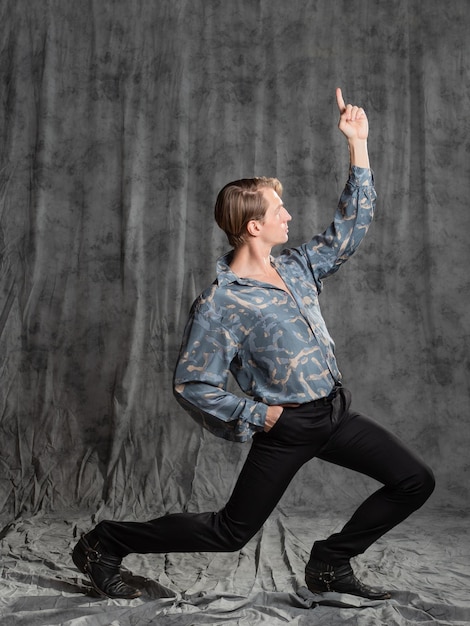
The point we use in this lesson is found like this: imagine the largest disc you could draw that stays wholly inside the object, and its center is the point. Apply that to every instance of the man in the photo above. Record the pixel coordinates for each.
(260, 322)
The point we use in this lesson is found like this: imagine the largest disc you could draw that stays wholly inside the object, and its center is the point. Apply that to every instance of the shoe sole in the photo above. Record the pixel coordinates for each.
(384, 596)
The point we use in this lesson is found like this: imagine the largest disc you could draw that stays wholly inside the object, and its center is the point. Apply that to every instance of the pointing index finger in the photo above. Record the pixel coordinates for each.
(339, 100)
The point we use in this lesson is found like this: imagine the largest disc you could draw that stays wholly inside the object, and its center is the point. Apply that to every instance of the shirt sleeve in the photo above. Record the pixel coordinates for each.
(326, 252)
(201, 378)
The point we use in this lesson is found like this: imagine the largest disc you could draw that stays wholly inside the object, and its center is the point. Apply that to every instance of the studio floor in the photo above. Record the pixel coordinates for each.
(425, 563)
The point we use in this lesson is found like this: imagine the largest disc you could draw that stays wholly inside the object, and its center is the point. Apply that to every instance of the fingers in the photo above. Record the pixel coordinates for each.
(354, 113)
(349, 112)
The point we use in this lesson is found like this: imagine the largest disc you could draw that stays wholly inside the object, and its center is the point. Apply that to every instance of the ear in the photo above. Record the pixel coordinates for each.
(253, 228)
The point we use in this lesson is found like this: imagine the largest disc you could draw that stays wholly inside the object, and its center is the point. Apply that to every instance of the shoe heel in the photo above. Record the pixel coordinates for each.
(79, 557)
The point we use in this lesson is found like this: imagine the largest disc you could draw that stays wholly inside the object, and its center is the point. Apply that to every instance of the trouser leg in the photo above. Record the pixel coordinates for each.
(253, 499)
(365, 446)
(273, 460)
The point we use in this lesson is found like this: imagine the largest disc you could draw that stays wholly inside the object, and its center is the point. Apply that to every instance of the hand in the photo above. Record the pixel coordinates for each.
(273, 414)
(353, 121)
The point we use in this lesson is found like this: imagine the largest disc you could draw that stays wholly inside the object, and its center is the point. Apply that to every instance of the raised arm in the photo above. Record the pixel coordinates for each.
(327, 251)
(354, 125)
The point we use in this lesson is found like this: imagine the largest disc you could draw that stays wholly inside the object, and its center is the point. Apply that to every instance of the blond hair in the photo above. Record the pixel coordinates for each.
(241, 201)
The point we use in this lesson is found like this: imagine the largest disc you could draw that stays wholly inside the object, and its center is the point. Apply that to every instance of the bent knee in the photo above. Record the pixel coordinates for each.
(234, 535)
(236, 544)
(429, 482)
(233, 542)
(421, 484)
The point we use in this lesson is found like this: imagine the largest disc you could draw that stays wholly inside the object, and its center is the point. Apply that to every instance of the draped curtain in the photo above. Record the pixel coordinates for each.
(119, 123)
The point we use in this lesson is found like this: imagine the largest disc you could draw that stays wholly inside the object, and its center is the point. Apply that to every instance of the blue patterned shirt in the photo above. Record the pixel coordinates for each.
(275, 344)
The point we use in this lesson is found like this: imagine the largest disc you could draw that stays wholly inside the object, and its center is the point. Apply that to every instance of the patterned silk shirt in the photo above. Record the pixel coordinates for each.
(275, 344)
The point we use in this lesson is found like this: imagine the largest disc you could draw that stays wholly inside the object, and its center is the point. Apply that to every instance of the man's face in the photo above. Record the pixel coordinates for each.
(274, 227)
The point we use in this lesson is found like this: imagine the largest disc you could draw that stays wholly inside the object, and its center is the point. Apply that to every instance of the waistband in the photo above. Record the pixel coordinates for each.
(325, 400)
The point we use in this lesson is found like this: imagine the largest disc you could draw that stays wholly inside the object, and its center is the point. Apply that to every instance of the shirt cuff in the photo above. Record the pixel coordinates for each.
(258, 412)
(361, 176)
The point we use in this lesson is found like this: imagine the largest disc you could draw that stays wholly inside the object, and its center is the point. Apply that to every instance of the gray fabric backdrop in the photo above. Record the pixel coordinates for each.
(119, 122)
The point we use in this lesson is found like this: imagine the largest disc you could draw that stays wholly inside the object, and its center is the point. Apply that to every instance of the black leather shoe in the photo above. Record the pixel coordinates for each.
(321, 577)
(102, 569)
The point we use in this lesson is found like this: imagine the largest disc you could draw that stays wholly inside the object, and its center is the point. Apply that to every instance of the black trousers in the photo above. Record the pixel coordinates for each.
(326, 429)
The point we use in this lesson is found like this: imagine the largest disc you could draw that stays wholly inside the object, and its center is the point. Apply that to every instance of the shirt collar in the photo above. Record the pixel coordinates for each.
(225, 276)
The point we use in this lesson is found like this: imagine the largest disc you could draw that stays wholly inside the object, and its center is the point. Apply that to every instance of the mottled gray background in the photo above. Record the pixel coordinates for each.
(119, 122)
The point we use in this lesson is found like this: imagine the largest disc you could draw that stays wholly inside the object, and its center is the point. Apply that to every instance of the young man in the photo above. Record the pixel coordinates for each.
(260, 322)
